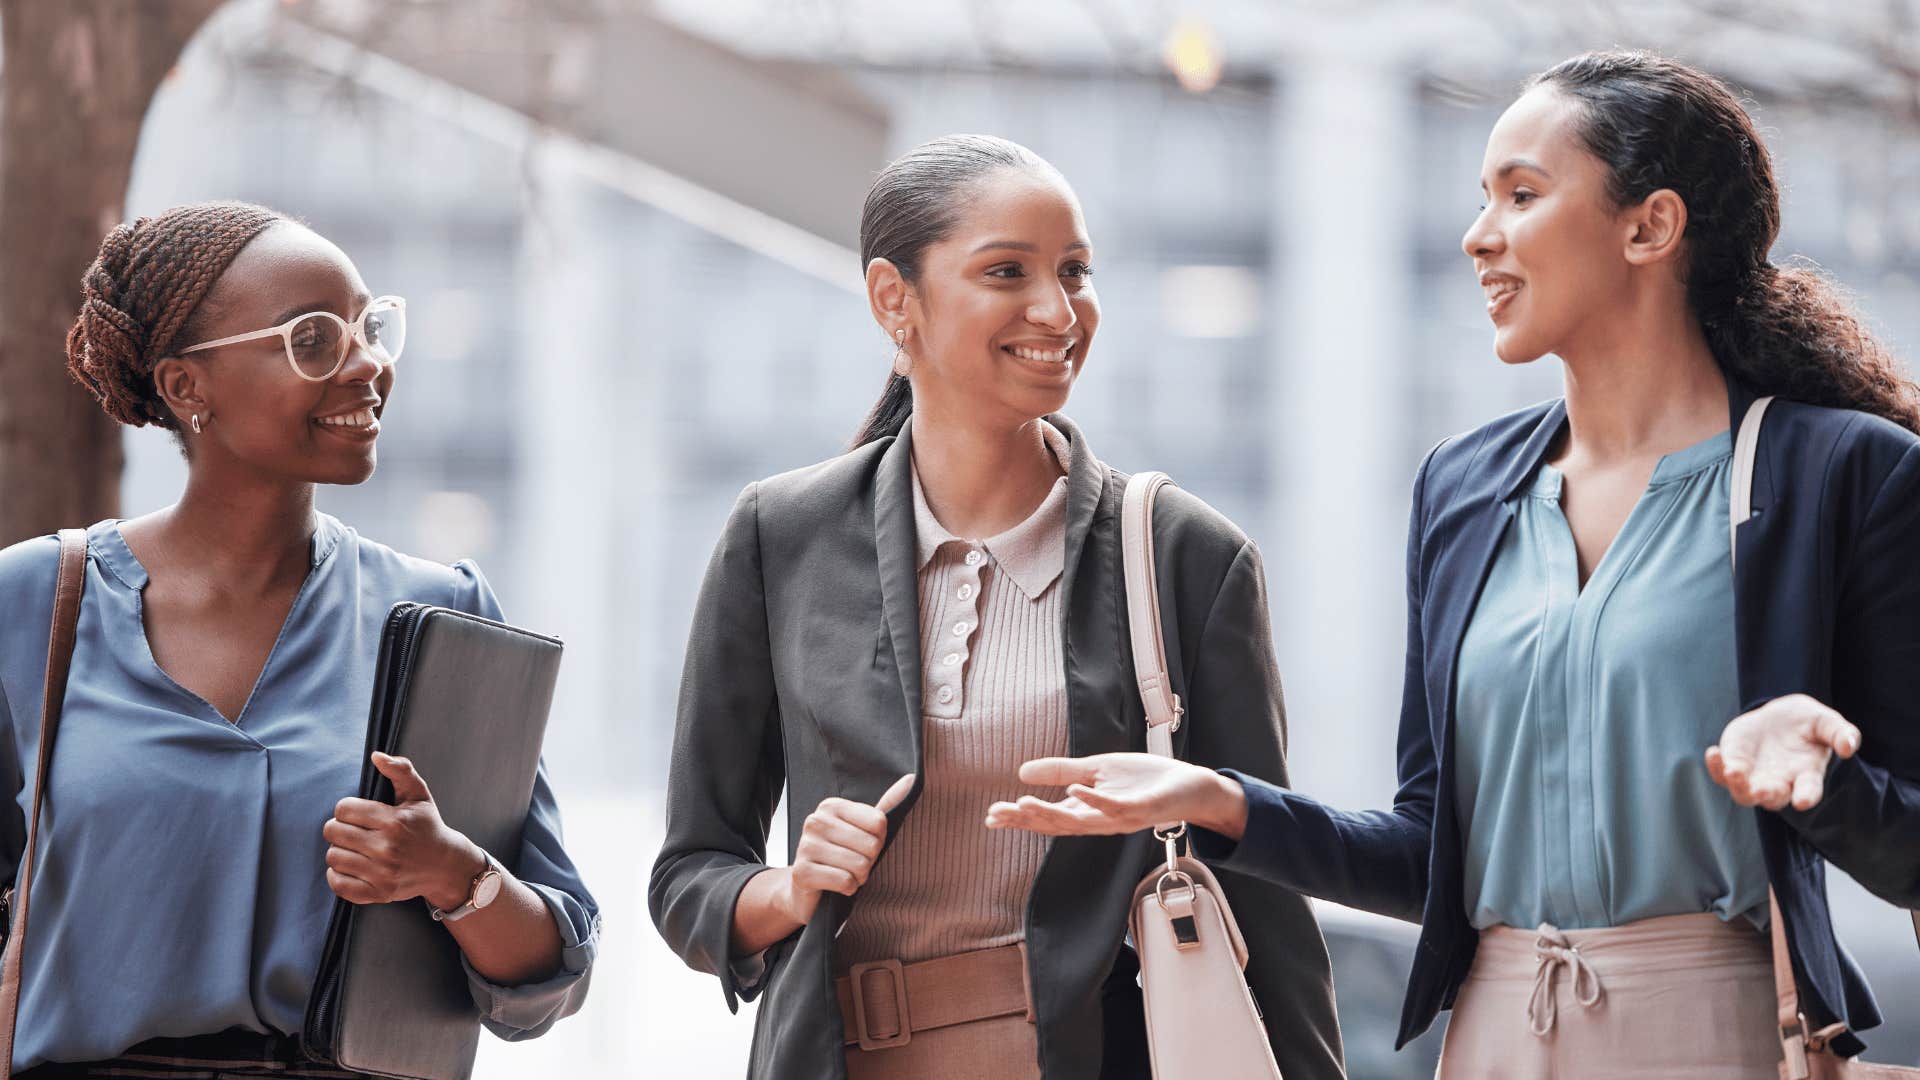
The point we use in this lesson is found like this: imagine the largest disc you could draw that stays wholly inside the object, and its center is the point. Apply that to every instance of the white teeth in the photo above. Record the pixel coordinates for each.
(1500, 287)
(360, 419)
(1045, 356)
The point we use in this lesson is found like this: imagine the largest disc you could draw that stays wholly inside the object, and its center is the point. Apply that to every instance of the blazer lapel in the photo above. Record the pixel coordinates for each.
(1452, 595)
(1086, 483)
(1460, 571)
(895, 742)
(1094, 722)
(893, 537)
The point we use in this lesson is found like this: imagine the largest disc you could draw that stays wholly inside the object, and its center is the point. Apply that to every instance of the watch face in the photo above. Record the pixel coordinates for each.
(486, 889)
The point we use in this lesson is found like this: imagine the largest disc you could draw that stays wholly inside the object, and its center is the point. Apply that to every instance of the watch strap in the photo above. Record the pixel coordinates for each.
(473, 893)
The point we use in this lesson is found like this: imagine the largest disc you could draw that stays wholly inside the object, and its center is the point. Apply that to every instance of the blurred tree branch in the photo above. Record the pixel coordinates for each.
(75, 84)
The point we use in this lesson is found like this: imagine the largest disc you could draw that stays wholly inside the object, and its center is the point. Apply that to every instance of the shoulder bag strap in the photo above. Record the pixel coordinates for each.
(1143, 614)
(66, 621)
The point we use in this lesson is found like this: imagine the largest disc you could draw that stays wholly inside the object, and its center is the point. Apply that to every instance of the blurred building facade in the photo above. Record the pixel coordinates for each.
(606, 347)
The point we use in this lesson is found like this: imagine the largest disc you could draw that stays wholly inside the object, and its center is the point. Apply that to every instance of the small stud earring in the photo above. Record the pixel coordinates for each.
(902, 363)
(196, 423)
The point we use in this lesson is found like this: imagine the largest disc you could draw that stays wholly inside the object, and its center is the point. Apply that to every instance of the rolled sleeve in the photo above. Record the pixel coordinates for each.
(529, 1009)
(749, 973)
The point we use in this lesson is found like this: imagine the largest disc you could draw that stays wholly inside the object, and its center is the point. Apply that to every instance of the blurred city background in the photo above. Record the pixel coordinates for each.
(626, 230)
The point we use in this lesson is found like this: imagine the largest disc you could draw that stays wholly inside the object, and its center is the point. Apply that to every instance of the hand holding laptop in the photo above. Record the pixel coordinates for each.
(383, 853)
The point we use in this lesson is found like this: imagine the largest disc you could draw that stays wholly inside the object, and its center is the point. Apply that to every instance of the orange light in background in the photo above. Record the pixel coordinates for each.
(1192, 53)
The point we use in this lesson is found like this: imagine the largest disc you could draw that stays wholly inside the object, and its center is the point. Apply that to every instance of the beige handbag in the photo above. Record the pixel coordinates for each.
(1805, 1055)
(1202, 1023)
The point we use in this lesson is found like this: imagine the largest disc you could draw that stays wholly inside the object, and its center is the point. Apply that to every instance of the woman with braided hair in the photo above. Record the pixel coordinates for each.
(1597, 690)
(200, 820)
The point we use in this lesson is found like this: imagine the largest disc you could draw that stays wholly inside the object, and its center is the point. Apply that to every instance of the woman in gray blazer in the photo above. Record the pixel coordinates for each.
(855, 646)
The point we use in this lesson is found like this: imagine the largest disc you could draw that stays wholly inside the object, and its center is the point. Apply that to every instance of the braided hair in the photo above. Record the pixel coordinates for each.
(139, 297)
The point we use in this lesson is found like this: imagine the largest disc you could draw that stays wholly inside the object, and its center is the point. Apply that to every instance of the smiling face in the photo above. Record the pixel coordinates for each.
(257, 412)
(1003, 311)
(1550, 246)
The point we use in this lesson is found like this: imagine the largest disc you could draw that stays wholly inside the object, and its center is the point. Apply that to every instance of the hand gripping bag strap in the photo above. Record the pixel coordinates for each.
(1201, 1019)
(66, 621)
(1801, 1048)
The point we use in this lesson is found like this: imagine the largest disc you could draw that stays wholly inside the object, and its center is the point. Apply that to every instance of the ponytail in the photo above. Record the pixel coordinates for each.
(1791, 331)
(888, 415)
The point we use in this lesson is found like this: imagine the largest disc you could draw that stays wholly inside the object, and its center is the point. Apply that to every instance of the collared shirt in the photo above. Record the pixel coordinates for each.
(993, 695)
(181, 888)
(1584, 715)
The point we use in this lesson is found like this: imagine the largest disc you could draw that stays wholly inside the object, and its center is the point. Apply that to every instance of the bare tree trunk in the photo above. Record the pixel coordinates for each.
(75, 83)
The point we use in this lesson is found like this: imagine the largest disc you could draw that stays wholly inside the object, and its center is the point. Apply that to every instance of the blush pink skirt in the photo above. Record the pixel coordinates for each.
(1680, 997)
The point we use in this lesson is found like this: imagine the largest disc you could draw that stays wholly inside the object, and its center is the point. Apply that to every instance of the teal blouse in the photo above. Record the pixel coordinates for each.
(1584, 715)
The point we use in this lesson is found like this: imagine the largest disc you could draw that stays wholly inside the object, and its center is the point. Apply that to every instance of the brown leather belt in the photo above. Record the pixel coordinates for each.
(883, 1002)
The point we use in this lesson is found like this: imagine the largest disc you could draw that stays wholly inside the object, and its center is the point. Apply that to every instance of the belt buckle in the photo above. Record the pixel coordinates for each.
(857, 978)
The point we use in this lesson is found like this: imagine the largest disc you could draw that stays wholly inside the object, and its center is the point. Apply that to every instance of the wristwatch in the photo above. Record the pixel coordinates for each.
(486, 888)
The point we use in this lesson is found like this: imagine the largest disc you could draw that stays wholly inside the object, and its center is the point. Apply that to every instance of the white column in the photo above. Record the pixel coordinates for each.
(1344, 174)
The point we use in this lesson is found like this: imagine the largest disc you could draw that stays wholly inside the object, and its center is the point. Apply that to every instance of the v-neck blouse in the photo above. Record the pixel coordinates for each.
(181, 888)
(1584, 715)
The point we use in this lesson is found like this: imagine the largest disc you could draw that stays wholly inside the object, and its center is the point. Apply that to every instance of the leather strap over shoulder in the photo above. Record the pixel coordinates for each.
(67, 589)
(1143, 611)
(1746, 446)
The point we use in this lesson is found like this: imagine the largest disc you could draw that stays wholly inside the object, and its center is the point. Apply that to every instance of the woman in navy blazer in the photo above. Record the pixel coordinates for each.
(1630, 210)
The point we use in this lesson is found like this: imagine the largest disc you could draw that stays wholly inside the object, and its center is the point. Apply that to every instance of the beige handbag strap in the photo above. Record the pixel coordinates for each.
(66, 620)
(1143, 611)
(1143, 616)
(1795, 1039)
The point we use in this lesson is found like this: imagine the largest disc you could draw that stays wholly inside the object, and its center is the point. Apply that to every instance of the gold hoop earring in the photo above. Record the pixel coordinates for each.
(902, 363)
(196, 423)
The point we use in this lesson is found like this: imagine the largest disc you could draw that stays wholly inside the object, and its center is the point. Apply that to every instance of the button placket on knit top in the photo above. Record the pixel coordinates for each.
(1584, 714)
(993, 695)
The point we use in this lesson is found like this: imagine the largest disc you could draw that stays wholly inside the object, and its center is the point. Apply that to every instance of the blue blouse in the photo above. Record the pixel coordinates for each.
(1584, 715)
(181, 888)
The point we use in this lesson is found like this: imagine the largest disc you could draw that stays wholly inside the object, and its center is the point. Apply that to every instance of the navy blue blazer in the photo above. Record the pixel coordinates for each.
(1826, 603)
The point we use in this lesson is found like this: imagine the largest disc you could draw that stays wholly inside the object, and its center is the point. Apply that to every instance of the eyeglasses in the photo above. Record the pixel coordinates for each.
(318, 342)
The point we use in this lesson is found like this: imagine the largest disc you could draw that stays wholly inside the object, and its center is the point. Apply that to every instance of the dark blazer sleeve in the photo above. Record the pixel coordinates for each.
(727, 769)
(1868, 823)
(1375, 860)
(1233, 696)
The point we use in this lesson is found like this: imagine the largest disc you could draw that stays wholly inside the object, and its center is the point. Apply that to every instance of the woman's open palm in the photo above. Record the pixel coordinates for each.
(1777, 754)
(1116, 793)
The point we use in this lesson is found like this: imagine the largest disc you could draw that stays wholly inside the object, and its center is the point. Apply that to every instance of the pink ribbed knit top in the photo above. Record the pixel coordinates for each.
(993, 695)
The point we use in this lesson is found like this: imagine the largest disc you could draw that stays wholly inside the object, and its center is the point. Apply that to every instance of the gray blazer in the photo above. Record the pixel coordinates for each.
(803, 669)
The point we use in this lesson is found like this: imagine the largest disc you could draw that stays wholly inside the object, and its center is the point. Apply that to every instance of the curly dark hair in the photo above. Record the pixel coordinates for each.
(138, 299)
(1787, 330)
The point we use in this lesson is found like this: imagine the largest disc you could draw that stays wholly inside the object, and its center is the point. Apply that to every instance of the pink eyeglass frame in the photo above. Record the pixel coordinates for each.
(356, 330)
